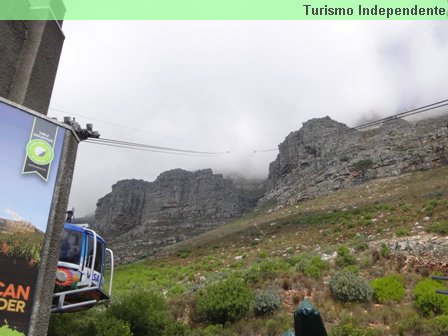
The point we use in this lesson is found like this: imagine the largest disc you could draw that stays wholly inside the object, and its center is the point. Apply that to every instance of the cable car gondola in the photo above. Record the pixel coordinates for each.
(81, 268)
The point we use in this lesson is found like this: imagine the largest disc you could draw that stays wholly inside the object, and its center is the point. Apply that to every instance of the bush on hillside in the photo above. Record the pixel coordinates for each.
(309, 265)
(438, 325)
(265, 270)
(426, 298)
(70, 324)
(349, 330)
(109, 326)
(385, 250)
(266, 302)
(225, 301)
(348, 287)
(345, 257)
(145, 312)
(388, 288)
(351, 268)
(439, 227)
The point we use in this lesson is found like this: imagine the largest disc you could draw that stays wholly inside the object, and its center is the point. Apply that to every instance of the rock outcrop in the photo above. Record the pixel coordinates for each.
(139, 217)
(12, 226)
(325, 155)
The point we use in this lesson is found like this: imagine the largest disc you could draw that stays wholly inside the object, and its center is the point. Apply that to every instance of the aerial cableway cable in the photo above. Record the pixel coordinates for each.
(122, 126)
(186, 152)
(144, 149)
(377, 122)
(152, 148)
(409, 113)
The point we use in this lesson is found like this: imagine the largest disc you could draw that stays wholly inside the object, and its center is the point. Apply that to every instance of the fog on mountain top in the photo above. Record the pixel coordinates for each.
(231, 86)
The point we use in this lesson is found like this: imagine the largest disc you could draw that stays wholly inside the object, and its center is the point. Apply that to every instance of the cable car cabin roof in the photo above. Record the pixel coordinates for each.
(81, 229)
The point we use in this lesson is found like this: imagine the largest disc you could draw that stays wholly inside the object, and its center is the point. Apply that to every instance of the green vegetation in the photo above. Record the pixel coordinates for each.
(349, 330)
(310, 265)
(6, 331)
(22, 245)
(345, 257)
(385, 250)
(402, 232)
(426, 298)
(110, 326)
(266, 302)
(146, 312)
(141, 313)
(349, 287)
(225, 301)
(265, 269)
(429, 207)
(309, 244)
(388, 289)
(363, 166)
(439, 227)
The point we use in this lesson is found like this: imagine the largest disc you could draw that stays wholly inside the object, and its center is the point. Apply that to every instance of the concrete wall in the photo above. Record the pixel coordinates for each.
(29, 58)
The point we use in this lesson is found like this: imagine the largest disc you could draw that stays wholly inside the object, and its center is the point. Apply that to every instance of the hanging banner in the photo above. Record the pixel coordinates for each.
(40, 148)
(30, 154)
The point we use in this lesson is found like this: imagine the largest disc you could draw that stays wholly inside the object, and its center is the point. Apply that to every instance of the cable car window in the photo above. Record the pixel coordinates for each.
(99, 256)
(71, 246)
(90, 254)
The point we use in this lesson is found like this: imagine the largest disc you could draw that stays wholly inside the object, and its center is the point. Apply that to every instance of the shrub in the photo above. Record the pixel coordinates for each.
(349, 330)
(211, 330)
(309, 265)
(429, 207)
(426, 298)
(348, 287)
(414, 325)
(266, 302)
(363, 166)
(345, 257)
(361, 246)
(388, 288)
(225, 301)
(438, 325)
(262, 255)
(69, 324)
(351, 268)
(109, 326)
(146, 312)
(440, 227)
(265, 270)
(366, 261)
(402, 232)
(385, 250)
(272, 328)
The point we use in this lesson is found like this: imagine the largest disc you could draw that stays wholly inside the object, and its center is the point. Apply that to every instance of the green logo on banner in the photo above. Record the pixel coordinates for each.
(40, 152)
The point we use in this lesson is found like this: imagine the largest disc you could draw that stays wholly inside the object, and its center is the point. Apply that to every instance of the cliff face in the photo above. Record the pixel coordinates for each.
(325, 155)
(138, 217)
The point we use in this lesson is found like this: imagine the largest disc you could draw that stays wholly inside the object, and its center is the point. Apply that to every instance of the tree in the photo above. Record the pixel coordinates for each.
(363, 166)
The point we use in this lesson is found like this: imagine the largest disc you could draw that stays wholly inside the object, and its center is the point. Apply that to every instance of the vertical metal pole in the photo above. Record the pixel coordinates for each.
(40, 314)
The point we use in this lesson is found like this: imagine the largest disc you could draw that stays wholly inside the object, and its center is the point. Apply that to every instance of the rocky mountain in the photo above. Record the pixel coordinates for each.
(138, 217)
(325, 155)
(12, 226)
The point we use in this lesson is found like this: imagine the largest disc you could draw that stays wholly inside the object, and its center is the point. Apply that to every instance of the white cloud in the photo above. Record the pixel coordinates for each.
(207, 84)
(14, 215)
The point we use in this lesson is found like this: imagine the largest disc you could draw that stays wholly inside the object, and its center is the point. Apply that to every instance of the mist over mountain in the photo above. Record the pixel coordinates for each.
(139, 217)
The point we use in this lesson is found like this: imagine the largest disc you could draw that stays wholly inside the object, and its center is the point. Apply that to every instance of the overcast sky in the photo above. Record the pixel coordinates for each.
(238, 85)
